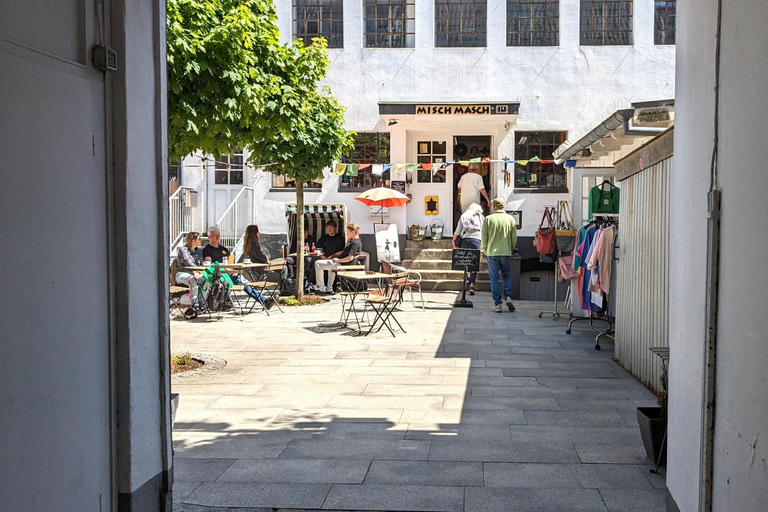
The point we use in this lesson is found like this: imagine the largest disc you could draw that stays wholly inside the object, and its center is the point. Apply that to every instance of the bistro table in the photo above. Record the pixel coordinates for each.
(351, 283)
(232, 268)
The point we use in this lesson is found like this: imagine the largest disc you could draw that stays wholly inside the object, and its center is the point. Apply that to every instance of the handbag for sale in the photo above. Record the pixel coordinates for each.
(566, 268)
(545, 236)
(565, 234)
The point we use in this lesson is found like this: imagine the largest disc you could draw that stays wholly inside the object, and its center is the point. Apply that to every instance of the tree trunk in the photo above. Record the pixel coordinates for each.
(299, 239)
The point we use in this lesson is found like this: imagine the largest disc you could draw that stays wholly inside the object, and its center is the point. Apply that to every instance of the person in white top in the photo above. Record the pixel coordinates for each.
(471, 186)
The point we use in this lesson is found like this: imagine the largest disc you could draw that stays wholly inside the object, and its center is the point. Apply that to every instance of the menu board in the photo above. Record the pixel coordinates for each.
(469, 258)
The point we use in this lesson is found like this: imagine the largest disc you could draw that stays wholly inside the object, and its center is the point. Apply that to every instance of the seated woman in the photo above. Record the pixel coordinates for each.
(347, 257)
(188, 255)
(252, 251)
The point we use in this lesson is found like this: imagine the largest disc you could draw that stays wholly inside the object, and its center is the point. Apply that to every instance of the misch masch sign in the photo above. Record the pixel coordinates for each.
(480, 109)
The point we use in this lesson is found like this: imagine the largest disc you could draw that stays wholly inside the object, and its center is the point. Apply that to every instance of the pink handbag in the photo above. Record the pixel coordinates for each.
(566, 268)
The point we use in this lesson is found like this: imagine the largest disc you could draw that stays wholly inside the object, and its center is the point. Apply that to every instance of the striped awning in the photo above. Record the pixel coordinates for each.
(314, 208)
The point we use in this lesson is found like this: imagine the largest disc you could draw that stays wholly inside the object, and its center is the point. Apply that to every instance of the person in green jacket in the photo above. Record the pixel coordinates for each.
(499, 239)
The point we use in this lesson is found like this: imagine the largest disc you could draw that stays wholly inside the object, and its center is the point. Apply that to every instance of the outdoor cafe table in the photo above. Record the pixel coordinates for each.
(231, 267)
(351, 283)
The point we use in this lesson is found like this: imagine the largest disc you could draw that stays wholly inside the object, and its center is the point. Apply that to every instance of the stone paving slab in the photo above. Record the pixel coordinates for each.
(275, 495)
(489, 499)
(470, 410)
(407, 498)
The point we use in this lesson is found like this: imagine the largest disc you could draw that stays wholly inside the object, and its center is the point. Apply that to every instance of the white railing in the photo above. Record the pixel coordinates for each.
(240, 213)
(183, 214)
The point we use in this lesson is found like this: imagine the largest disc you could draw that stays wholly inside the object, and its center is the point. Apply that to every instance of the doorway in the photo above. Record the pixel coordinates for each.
(467, 148)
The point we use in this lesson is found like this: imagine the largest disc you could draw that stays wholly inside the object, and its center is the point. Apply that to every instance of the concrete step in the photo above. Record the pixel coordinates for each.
(417, 253)
(435, 264)
(451, 285)
(428, 243)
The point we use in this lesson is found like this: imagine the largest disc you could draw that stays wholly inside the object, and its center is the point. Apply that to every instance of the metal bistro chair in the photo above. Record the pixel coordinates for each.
(270, 283)
(384, 306)
(412, 280)
(176, 291)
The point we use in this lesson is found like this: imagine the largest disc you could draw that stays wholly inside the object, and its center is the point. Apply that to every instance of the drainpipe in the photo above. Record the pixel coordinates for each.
(631, 129)
(706, 466)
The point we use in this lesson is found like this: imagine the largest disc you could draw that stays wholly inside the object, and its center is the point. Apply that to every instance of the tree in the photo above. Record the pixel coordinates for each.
(222, 60)
(302, 131)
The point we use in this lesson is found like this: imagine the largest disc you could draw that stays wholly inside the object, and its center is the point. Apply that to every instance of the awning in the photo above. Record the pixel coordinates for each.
(315, 218)
(314, 208)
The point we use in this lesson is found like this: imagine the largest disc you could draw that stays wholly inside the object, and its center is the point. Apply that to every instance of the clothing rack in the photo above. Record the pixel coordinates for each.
(555, 212)
(612, 218)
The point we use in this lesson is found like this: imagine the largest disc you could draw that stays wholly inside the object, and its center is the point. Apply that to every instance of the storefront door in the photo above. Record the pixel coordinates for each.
(468, 148)
(432, 201)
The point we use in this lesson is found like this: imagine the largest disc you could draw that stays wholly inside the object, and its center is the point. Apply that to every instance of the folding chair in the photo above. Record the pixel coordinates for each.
(176, 291)
(411, 282)
(270, 283)
(384, 306)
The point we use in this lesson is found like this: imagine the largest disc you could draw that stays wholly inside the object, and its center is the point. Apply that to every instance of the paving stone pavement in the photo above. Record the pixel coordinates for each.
(469, 410)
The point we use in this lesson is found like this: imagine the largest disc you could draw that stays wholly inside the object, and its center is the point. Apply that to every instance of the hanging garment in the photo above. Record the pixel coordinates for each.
(589, 301)
(603, 200)
(605, 257)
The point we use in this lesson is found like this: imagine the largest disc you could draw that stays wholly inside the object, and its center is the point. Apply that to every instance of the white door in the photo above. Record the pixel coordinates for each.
(434, 184)
(225, 180)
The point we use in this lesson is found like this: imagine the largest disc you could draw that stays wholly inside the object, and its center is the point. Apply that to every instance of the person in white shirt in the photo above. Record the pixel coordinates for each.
(471, 186)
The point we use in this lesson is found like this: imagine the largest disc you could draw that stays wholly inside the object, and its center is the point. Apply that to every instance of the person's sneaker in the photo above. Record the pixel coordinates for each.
(472, 290)
(510, 306)
(497, 308)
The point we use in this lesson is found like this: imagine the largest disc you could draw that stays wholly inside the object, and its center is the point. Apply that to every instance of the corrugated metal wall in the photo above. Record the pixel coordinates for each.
(642, 297)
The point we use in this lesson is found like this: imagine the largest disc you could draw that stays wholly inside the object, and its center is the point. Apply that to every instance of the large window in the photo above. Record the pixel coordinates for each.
(390, 23)
(538, 175)
(370, 148)
(319, 18)
(606, 22)
(460, 23)
(533, 22)
(279, 181)
(229, 169)
(664, 26)
(431, 152)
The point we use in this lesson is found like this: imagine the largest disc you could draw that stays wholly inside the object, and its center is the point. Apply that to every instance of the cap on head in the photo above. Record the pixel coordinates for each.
(498, 203)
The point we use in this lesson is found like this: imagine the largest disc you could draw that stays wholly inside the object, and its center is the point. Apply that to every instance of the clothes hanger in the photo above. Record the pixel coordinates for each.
(607, 182)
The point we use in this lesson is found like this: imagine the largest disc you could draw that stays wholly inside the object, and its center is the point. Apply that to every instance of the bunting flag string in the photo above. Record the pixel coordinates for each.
(379, 169)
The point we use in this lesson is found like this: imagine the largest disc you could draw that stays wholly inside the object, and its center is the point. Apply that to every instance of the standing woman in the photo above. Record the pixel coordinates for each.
(471, 187)
(189, 254)
(469, 229)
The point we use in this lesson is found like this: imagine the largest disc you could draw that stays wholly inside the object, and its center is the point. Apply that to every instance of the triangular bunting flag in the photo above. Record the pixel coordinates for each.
(399, 166)
(377, 169)
(364, 166)
(486, 160)
(570, 163)
(546, 161)
(387, 167)
(534, 160)
(352, 169)
(426, 166)
(448, 164)
(341, 169)
(411, 167)
(475, 160)
(465, 163)
(523, 162)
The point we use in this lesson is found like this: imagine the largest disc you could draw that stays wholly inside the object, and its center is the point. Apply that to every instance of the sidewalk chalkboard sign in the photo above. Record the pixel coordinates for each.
(468, 259)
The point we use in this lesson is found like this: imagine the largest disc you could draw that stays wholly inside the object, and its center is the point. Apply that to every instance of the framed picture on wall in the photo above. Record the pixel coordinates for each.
(399, 186)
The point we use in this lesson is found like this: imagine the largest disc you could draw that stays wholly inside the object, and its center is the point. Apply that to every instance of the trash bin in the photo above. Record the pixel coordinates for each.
(437, 231)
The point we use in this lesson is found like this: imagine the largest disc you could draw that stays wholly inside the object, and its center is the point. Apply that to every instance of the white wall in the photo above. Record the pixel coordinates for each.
(741, 411)
(559, 88)
(54, 331)
(84, 382)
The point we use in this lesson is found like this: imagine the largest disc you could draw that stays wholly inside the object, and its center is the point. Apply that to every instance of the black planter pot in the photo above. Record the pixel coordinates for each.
(653, 427)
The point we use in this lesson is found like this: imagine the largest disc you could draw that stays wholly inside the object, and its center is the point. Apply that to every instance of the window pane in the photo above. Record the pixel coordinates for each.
(460, 23)
(606, 22)
(318, 18)
(538, 175)
(389, 23)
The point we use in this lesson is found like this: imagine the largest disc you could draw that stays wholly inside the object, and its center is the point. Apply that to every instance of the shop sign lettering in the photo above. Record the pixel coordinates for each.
(453, 109)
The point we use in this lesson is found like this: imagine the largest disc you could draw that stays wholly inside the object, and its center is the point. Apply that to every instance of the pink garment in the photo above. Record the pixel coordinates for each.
(606, 259)
(594, 253)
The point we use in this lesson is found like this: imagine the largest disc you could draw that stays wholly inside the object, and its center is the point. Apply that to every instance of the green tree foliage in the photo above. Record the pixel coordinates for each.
(222, 59)
(302, 131)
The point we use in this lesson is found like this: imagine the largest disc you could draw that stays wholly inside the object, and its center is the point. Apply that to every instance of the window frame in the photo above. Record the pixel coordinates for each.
(226, 164)
(408, 37)
(430, 155)
(309, 186)
(300, 25)
(587, 23)
(544, 152)
(661, 20)
(531, 33)
(360, 155)
(472, 32)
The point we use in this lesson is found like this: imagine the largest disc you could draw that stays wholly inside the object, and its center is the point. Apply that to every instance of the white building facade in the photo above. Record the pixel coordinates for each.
(404, 68)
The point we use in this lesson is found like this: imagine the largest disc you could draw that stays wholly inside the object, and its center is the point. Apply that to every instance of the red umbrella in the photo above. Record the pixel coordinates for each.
(384, 197)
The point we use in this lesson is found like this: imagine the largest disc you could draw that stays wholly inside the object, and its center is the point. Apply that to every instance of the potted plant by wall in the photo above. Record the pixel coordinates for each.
(653, 423)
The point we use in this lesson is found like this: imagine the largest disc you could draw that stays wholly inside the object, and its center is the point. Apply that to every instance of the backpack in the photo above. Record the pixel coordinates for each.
(215, 287)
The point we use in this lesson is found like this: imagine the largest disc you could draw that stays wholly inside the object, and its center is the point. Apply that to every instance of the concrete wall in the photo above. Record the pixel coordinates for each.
(568, 87)
(83, 329)
(741, 411)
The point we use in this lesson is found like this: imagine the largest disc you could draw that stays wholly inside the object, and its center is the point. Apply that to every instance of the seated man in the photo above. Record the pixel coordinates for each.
(332, 243)
(214, 252)
(347, 256)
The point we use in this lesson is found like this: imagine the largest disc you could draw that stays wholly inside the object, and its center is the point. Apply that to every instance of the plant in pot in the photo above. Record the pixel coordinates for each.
(653, 423)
